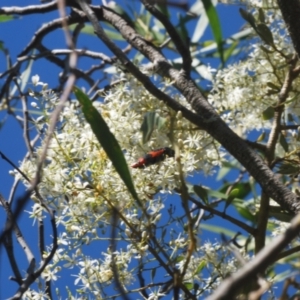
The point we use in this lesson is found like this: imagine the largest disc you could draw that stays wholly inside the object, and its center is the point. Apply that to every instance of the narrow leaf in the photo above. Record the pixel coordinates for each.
(248, 17)
(287, 168)
(218, 229)
(265, 34)
(201, 192)
(215, 25)
(261, 15)
(106, 139)
(243, 210)
(5, 18)
(200, 267)
(261, 137)
(232, 195)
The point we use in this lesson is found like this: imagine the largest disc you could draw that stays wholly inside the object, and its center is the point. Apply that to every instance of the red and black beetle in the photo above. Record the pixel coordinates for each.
(154, 157)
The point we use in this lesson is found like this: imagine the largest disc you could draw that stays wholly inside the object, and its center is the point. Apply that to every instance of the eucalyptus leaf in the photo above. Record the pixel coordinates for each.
(201, 192)
(215, 26)
(248, 17)
(106, 139)
(265, 34)
(268, 113)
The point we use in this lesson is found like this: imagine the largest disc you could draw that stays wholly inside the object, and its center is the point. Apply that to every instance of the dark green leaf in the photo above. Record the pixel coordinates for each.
(248, 17)
(277, 213)
(215, 25)
(266, 50)
(287, 168)
(261, 15)
(153, 273)
(265, 34)
(218, 229)
(273, 86)
(201, 192)
(106, 139)
(182, 30)
(268, 113)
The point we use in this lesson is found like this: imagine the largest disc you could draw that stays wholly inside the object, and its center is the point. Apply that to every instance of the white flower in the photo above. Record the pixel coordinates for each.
(36, 80)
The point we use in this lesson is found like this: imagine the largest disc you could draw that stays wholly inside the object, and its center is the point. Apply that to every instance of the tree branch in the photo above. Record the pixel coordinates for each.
(290, 12)
(262, 260)
(207, 118)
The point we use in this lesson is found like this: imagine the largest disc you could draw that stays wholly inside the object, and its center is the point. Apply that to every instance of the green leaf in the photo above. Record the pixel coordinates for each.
(179, 258)
(228, 52)
(218, 229)
(106, 139)
(261, 137)
(223, 172)
(232, 195)
(263, 48)
(243, 210)
(151, 121)
(261, 15)
(182, 30)
(273, 86)
(215, 25)
(5, 18)
(201, 192)
(189, 285)
(153, 273)
(268, 113)
(217, 194)
(248, 17)
(24, 78)
(281, 216)
(200, 267)
(265, 34)
(283, 143)
(242, 189)
(111, 33)
(287, 168)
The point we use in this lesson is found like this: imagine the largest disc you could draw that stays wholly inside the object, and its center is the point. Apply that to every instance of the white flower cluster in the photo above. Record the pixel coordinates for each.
(80, 183)
(244, 91)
